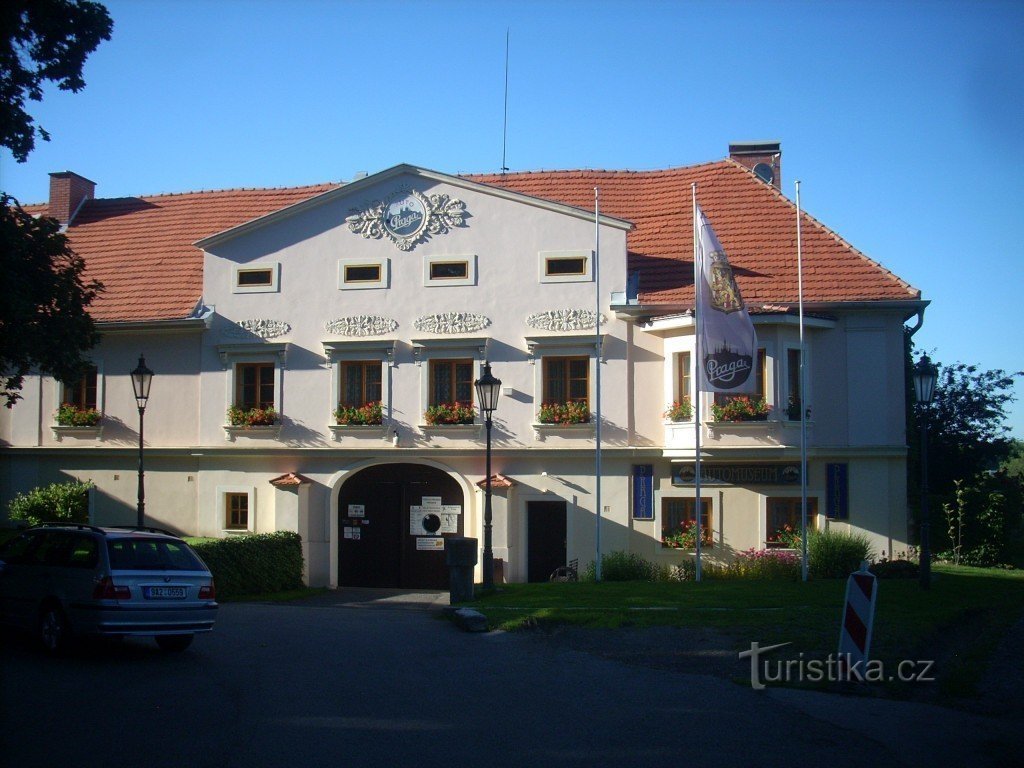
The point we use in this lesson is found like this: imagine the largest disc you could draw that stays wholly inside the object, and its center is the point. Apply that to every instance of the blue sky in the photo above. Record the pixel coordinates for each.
(903, 120)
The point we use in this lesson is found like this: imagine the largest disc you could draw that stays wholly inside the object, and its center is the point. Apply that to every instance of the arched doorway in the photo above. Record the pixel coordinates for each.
(392, 521)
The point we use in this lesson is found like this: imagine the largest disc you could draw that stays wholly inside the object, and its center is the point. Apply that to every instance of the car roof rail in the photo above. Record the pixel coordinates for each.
(143, 529)
(77, 526)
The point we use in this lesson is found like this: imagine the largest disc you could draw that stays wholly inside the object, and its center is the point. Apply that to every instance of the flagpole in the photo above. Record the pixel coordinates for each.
(597, 375)
(803, 392)
(696, 400)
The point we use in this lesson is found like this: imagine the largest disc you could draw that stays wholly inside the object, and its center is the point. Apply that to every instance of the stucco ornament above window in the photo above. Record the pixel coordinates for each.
(264, 329)
(451, 322)
(361, 325)
(564, 320)
(407, 217)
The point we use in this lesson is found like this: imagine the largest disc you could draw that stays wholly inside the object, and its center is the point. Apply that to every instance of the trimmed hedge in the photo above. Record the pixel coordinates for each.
(254, 564)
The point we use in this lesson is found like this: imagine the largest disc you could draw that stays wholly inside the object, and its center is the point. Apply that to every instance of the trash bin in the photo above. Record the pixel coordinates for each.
(460, 555)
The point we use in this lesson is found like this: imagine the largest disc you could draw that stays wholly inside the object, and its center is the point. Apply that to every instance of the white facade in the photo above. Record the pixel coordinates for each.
(299, 314)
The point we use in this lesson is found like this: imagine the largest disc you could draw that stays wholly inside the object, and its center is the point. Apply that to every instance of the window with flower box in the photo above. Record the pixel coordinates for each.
(678, 523)
(566, 390)
(361, 393)
(783, 520)
(735, 406)
(451, 392)
(79, 400)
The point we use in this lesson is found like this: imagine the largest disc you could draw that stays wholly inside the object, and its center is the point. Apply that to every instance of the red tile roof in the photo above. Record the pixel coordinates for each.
(755, 223)
(141, 248)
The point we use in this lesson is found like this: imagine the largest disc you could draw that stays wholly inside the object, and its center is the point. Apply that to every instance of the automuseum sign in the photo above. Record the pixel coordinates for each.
(737, 474)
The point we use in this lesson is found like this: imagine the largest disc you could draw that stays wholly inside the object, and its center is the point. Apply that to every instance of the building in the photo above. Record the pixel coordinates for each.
(396, 288)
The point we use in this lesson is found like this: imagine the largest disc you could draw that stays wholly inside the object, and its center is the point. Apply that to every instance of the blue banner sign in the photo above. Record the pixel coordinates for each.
(643, 491)
(837, 491)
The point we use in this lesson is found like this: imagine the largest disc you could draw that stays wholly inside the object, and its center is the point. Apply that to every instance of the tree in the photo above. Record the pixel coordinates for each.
(40, 41)
(44, 320)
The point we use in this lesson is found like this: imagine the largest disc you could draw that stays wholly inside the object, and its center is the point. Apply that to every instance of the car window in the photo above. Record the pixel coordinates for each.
(152, 555)
(16, 551)
(55, 551)
(84, 553)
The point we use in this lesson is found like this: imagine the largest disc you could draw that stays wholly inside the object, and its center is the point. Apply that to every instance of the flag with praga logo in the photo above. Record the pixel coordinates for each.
(727, 338)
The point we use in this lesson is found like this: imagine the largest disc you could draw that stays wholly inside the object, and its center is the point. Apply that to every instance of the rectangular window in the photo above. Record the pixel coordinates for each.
(449, 270)
(566, 379)
(254, 385)
(559, 267)
(361, 383)
(236, 507)
(793, 399)
(362, 273)
(248, 278)
(678, 521)
(783, 520)
(82, 393)
(682, 375)
(760, 392)
(451, 381)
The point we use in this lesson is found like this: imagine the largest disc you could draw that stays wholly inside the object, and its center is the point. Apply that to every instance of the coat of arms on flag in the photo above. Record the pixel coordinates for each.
(725, 294)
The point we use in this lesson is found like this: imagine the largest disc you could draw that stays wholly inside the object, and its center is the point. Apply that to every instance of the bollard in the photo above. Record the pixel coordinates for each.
(460, 555)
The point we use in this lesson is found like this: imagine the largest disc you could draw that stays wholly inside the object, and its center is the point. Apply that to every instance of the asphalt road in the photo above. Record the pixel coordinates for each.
(366, 682)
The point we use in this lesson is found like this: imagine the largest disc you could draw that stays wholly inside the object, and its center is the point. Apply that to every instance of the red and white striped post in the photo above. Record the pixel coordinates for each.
(858, 621)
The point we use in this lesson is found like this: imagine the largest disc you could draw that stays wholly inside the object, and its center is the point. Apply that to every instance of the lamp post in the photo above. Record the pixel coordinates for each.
(142, 378)
(488, 389)
(925, 374)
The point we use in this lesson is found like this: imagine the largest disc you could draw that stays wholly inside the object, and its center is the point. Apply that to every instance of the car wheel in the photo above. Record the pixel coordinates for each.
(173, 643)
(54, 632)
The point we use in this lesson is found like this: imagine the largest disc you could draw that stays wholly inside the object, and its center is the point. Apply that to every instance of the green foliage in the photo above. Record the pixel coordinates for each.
(836, 554)
(249, 565)
(982, 518)
(69, 415)
(572, 412)
(1013, 465)
(899, 568)
(59, 502)
(625, 566)
(449, 413)
(251, 417)
(682, 410)
(770, 564)
(43, 41)
(685, 536)
(741, 408)
(44, 324)
(369, 414)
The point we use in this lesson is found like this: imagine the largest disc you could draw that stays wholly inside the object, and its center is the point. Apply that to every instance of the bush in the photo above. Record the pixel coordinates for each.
(56, 503)
(626, 566)
(254, 564)
(836, 554)
(767, 564)
(895, 569)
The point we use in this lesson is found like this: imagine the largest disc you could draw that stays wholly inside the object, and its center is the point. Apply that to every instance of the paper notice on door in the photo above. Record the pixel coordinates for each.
(431, 502)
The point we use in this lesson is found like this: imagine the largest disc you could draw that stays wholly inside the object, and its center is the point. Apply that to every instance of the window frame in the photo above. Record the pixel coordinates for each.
(224, 492)
(273, 267)
(454, 362)
(239, 378)
(61, 388)
(265, 352)
(813, 511)
(382, 263)
(440, 282)
(689, 505)
(586, 276)
(567, 378)
(365, 366)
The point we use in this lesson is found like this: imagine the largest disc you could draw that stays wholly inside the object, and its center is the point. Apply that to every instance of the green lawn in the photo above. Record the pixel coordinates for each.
(957, 622)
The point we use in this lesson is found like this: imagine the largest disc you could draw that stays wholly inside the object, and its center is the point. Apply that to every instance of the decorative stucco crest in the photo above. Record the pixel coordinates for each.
(361, 325)
(407, 217)
(265, 329)
(451, 322)
(564, 320)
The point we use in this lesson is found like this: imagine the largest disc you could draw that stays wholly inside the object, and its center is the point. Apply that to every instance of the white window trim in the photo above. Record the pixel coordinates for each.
(564, 346)
(275, 277)
(588, 269)
(232, 354)
(222, 508)
(383, 263)
(425, 350)
(762, 506)
(338, 352)
(469, 279)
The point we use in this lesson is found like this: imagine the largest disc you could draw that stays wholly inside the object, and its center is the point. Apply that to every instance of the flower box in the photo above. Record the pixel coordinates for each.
(449, 413)
(681, 410)
(572, 412)
(251, 417)
(370, 414)
(741, 408)
(69, 415)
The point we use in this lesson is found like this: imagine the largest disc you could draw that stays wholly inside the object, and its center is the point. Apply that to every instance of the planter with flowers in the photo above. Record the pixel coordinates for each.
(74, 421)
(252, 422)
(371, 414)
(449, 414)
(785, 537)
(681, 410)
(572, 412)
(741, 408)
(685, 537)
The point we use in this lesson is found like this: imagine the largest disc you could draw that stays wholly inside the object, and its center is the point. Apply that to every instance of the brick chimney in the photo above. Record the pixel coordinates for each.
(764, 158)
(67, 193)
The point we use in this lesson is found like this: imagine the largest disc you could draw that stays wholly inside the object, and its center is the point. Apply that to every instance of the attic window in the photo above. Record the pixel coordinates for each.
(565, 266)
(362, 273)
(354, 274)
(449, 270)
(257, 278)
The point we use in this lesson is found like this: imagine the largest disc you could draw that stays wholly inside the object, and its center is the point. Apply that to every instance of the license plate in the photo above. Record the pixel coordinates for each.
(164, 593)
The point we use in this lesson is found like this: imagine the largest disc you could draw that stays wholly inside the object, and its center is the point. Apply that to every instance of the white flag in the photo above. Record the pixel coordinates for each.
(727, 338)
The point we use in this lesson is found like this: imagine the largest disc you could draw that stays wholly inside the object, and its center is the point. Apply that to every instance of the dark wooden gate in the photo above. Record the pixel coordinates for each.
(545, 538)
(377, 546)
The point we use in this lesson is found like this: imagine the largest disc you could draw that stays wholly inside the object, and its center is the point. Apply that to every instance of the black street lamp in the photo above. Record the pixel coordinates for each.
(488, 389)
(925, 374)
(142, 379)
